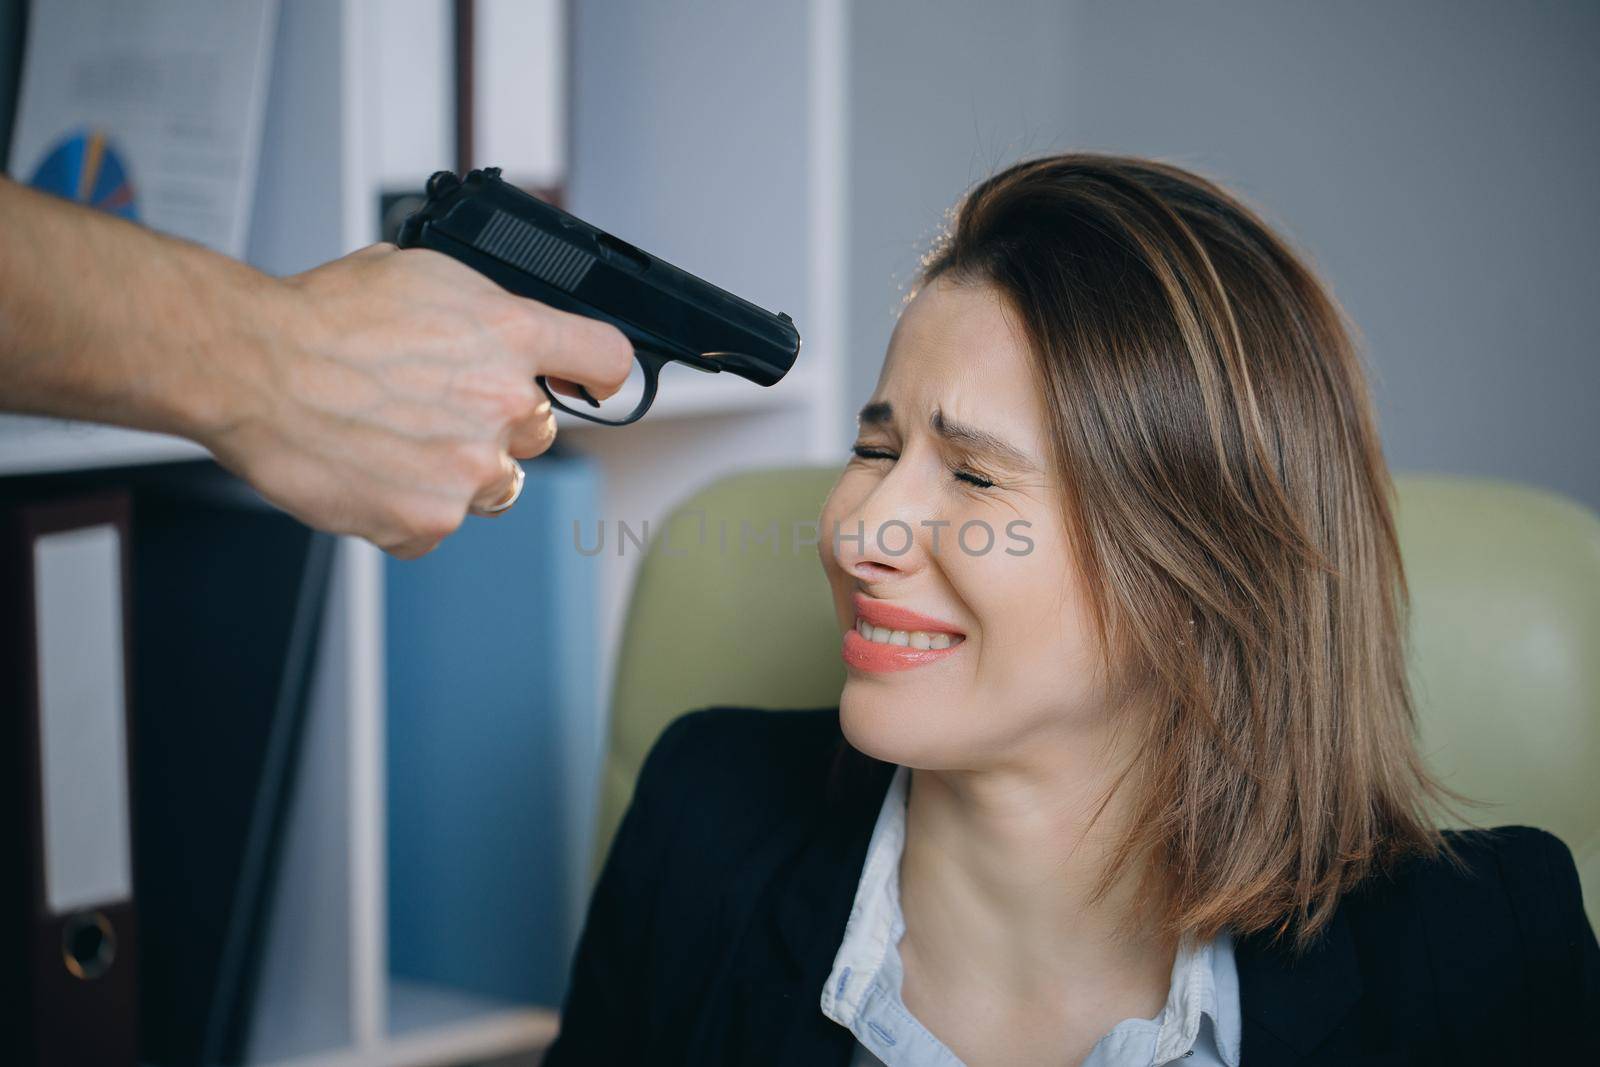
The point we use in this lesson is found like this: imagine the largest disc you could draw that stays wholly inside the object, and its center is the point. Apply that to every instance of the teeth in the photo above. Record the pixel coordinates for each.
(906, 638)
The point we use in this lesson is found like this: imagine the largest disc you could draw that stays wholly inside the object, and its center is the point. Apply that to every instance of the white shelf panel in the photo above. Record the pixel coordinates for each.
(438, 1027)
(31, 444)
(425, 1007)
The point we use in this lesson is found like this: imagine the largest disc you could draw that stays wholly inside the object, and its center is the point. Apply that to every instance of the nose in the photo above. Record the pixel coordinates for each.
(887, 534)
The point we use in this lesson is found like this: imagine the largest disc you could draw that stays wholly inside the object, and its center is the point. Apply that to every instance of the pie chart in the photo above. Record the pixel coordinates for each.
(84, 167)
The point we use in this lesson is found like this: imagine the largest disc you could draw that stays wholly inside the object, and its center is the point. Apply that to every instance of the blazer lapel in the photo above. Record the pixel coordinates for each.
(815, 903)
(1290, 1007)
(788, 948)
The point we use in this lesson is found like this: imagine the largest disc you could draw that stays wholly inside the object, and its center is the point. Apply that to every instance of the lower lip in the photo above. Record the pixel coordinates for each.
(875, 656)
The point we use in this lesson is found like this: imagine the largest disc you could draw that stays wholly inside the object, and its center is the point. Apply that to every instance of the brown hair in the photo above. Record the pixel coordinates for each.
(1211, 421)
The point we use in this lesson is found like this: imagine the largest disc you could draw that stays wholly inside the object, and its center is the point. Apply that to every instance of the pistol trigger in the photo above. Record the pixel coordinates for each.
(583, 391)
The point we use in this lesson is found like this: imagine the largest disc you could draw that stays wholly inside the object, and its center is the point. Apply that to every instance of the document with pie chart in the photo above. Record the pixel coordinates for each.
(149, 111)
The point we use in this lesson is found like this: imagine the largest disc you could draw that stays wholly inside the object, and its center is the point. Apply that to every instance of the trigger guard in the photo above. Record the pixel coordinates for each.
(650, 361)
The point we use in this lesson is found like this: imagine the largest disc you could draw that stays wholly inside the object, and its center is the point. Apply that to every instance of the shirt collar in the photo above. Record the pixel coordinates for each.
(1204, 983)
(875, 921)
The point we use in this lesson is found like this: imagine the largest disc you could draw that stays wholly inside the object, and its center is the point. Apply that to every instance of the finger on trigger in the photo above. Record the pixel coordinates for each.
(564, 387)
(579, 351)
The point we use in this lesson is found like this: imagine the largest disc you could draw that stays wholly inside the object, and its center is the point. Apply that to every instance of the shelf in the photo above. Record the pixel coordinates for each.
(417, 1008)
(432, 1026)
(34, 445)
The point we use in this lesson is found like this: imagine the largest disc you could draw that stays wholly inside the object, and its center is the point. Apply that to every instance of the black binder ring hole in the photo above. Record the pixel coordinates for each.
(88, 945)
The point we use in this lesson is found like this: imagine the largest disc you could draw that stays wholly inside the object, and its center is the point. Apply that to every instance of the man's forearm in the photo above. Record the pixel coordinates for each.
(105, 320)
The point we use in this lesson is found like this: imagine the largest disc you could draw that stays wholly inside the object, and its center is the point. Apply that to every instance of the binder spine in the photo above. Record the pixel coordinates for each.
(71, 942)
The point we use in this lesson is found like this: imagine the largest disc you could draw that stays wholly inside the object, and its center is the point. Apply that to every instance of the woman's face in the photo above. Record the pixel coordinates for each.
(961, 525)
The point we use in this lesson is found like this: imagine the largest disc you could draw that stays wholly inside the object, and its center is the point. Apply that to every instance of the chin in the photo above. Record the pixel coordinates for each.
(893, 727)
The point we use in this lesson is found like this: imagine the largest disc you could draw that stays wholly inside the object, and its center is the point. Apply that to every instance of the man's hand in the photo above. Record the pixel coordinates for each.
(381, 395)
(387, 389)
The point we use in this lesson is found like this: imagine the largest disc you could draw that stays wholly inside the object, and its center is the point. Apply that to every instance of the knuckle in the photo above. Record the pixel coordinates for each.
(389, 537)
(402, 550)
(529, 327)
(412, 524)
(414, 546)
(534, 438)
(546, 434)
(478, 462)
(438, 522)
(522, 402)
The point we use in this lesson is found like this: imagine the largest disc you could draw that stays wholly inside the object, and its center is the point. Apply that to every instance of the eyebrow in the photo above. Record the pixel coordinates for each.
(881, 413)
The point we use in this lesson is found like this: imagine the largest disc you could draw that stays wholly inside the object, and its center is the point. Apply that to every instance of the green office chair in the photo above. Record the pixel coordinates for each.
(1505, 587)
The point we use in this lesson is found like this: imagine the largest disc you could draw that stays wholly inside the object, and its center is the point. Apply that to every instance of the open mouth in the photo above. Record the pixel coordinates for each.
(906, 638)
(889, 637)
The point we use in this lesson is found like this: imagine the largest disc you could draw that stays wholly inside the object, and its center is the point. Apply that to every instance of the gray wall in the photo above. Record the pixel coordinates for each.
(688, 137)
(941, 94)
(1435, 159)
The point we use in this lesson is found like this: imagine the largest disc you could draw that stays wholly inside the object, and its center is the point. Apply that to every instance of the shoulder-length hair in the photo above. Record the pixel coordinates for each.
(1230, 506)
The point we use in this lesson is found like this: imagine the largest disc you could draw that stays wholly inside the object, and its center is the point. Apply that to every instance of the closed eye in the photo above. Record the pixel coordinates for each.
(969, 477)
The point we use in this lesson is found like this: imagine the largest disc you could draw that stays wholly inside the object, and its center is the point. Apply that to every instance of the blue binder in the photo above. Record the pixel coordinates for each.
(491, 679)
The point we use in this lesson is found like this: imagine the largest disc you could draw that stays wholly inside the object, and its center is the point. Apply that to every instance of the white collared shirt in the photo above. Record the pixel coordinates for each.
(1199, 1026)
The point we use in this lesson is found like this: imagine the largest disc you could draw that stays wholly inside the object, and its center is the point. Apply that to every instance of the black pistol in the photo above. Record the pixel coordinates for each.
(535, 249)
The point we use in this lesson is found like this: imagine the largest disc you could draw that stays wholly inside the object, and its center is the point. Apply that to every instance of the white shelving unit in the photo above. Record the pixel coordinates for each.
(715, 136)
(360, 99)
(34, 445)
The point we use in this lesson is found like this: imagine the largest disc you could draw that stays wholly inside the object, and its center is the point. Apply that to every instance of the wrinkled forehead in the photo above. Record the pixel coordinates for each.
(961, 349)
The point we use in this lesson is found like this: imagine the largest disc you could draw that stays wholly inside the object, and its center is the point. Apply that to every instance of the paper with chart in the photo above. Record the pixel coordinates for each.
(151, 111)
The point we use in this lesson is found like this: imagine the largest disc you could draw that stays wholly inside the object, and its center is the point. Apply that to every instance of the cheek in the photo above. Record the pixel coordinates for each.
(1036, 628)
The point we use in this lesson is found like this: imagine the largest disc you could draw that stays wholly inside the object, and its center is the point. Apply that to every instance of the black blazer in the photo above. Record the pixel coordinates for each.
(724, 896)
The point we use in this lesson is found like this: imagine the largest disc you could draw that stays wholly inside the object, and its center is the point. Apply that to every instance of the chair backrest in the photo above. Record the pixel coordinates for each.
(1505, 637)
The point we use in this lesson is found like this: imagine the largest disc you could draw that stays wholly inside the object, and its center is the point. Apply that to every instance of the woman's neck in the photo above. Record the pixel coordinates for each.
(997, 873)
